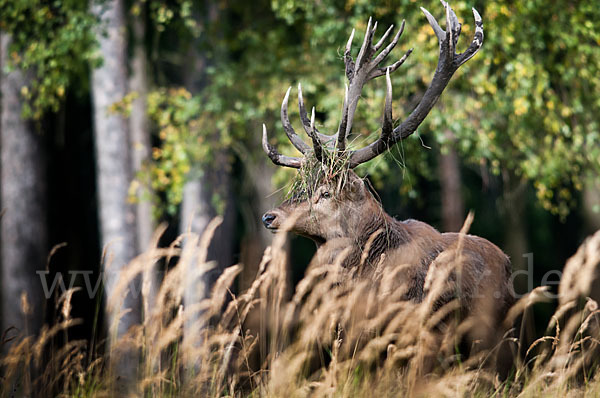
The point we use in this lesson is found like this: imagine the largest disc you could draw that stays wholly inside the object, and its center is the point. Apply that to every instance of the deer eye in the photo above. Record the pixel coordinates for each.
(326, 194)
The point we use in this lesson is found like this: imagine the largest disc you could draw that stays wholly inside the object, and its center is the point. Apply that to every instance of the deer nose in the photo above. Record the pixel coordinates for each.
(267, 219)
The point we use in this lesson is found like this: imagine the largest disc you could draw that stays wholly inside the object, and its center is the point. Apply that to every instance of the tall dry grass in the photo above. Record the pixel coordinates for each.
(335, 335)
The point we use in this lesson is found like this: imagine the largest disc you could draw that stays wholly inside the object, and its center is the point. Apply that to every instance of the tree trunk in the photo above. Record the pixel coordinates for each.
(113, 168)
(196, 213)
(453, 210)
(139, 127)
(517, 247)
(141, 153)
(591, 214)
(591, 206)
(257, 237)
(517, 244)
(23, 200)
(197, 208)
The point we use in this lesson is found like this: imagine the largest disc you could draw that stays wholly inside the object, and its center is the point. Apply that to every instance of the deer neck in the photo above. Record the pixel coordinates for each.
(378, 233)
(373, 235)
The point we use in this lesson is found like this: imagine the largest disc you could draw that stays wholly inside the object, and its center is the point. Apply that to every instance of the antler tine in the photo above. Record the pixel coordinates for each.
(384, 53)
(341, 143)
(477, 41)
(348, 61)
(383, 38)
(275, 156)
(439, 32)
(287, 126)
(316, 144)
(349, 43)
(326, 140)
(448, 63)
(388, 122)
(382, 71)
(302, 109)
(452, 28)
(366, 49)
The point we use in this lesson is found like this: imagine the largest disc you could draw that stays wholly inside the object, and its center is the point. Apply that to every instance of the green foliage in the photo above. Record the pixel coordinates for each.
(186, 144)
(534, 110)
(53, 41)
(165, 12)
(173, 112)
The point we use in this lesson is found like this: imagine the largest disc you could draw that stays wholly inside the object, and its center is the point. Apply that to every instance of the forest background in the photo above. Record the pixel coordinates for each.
(118, 116)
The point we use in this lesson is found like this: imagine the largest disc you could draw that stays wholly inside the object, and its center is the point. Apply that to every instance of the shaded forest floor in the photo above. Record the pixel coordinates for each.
(335, 335)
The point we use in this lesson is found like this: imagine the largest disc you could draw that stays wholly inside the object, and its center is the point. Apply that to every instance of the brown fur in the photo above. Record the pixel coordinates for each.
(350, 221)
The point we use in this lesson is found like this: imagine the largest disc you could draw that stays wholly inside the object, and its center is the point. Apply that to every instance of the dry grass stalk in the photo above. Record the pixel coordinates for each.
(337, 335)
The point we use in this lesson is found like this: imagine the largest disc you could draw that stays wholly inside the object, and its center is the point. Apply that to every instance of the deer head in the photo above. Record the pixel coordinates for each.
(326, 208)
(331, 197)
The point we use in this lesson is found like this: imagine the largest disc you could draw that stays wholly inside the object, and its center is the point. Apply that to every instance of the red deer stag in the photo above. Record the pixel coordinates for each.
(335, 208)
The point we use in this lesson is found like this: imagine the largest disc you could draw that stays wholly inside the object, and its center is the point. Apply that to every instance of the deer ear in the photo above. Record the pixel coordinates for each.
(357, 187)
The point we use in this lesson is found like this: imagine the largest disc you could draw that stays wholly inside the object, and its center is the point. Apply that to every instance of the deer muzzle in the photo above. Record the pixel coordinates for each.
(268, 220)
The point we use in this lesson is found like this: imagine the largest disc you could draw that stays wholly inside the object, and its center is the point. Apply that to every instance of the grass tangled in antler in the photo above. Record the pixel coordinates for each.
(333, 170)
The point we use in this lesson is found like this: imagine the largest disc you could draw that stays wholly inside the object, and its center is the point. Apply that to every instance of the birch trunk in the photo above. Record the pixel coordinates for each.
(113, 176)
(23, 201)
(197, 208)
(141, 152)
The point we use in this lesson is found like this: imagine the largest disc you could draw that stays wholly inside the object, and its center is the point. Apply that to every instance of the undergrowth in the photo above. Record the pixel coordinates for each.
(335, 335)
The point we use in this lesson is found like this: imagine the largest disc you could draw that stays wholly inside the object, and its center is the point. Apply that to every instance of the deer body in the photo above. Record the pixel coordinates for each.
(336, 210)
(351, 224)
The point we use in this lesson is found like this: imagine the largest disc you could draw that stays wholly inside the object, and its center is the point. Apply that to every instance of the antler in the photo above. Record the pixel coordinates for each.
(300, 145)
(366, 68)
(276, 157)
(309, 126)
(449, 61)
